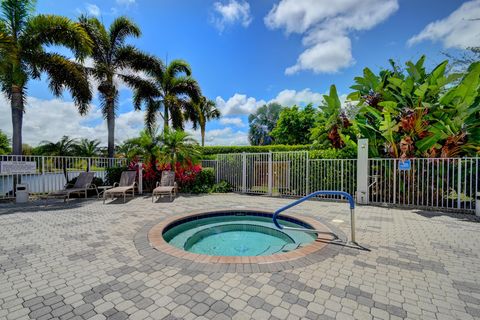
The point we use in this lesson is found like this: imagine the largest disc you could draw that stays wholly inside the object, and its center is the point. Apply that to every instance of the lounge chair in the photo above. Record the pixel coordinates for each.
(82, 185)
(167, 185)
(127, 184)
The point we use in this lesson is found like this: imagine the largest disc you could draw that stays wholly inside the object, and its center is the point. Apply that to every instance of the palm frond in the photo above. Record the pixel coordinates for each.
(66, 74)
(177, 67)
(56, 30)
(186, 86)
(129, 57)
(143, 89)
(120, 29)
(100, 37)
(16, 14)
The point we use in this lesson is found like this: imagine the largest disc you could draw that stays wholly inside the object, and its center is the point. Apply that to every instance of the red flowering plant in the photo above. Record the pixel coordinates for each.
(150, 173)
(185, 174)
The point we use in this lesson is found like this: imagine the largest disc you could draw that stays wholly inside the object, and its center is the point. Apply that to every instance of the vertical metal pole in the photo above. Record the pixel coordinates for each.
(459, 183)
(140, 178)
(352, 224)
(43, 175)
(244, 172)
(307, 179)
(394, 181)
(362, 171)
(341, 175)
(270, 175)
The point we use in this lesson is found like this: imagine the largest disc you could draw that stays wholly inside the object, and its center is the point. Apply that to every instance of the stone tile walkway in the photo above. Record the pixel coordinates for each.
(79, 261)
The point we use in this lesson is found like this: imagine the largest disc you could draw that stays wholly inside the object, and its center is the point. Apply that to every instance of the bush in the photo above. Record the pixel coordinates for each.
(113, 175)
(348, 152)
(201, 183)
(221, 187)
(213, 150)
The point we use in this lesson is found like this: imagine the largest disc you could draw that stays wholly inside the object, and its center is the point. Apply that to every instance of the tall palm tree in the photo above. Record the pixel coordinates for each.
(23, 56)
(63, 148)
(87, 148)
(178, 146)
(171, 88)
(204, 111)
(115, 60)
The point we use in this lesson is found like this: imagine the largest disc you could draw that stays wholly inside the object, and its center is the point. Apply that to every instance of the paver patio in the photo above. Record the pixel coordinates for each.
(82, 261)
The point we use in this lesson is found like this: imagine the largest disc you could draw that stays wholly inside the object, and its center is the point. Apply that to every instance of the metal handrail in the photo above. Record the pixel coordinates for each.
(317, 193)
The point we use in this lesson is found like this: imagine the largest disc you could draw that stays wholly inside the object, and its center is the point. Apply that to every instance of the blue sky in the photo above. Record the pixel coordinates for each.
(246, 53)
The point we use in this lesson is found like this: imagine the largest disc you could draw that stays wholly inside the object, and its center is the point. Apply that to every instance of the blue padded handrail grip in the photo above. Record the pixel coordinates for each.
(346, 195)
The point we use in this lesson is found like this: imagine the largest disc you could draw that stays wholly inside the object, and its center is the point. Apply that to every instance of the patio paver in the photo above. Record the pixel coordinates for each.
(84, 260)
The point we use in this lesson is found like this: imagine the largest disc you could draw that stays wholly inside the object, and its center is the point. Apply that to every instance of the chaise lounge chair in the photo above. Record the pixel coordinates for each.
(82, 185)
(167, 185)
(127, 184)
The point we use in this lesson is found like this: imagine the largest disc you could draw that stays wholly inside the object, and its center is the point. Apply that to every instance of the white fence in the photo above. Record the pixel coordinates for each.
(447, 183)
(429, 183)
(44, 174)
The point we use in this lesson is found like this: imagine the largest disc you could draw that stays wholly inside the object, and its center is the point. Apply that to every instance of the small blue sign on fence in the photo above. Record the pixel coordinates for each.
(404, 165)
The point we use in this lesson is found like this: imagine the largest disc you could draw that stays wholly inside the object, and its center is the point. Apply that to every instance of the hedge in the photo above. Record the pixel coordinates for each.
(210, 152)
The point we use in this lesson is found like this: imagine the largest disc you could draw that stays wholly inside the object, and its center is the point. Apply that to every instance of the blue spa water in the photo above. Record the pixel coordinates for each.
(244, 235)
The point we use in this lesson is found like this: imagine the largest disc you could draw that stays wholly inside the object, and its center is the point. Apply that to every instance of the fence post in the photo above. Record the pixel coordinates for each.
(43, 175)
(362, 171)
(341, 175)
(244, 172)
(307, 180)
(270, 174)
(140, 178)
(459, 183)
(394, 181)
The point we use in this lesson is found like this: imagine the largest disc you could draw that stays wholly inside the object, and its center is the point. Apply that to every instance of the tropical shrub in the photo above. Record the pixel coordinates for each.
(202, 182)
(113, 174)
(333, 128)
(412, 112)
(214, 150)
(4, 143)
(294, 125)
(221, 187)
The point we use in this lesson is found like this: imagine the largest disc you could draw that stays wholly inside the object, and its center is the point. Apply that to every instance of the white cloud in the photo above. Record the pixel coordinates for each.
(93, 9)
(291, 97)
(238, 104)
(459, 30)
(222, 137)
(325, 26)
(125, 2)
(236, 121)
(230, 13)
(51, 119)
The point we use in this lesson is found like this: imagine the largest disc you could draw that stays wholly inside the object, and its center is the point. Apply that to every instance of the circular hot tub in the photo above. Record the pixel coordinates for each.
(237, 236)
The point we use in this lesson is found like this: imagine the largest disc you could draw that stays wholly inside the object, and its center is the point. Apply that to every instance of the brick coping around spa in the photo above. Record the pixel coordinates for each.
(150, 242)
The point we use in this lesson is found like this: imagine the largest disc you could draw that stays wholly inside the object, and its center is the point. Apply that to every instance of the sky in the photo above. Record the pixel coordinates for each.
(246, 53)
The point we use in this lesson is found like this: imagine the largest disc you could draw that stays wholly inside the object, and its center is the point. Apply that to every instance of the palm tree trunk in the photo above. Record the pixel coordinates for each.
(111, 128)
(17, 119)
(165, 120)
(202, 132)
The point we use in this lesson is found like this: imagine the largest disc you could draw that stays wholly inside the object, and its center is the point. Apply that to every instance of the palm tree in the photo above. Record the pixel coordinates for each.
(204, 111)
(171, 88)
(87, 148)
(63, 148)
(114, 60)
(178, 146)
(23, 56)
(145, 146)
